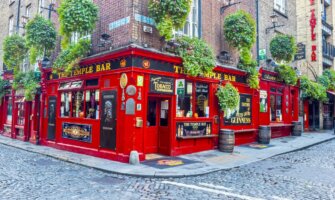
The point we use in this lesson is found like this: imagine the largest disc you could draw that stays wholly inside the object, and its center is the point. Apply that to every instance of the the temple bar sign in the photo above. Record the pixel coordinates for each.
(216, 75)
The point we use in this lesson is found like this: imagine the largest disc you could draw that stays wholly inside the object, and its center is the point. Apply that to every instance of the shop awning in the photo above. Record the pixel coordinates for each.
(331, 92)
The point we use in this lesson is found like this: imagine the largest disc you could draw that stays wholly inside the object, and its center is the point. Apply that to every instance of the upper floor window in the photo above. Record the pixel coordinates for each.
(28, 11)
(40, 5)
(191, 27)
(75, 37)
(11, 25)
(280, 5)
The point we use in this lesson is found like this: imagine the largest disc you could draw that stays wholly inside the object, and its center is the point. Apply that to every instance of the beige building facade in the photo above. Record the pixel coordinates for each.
(315, 34)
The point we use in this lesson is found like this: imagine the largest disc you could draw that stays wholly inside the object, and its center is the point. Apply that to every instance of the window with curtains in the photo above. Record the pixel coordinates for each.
(80, 101)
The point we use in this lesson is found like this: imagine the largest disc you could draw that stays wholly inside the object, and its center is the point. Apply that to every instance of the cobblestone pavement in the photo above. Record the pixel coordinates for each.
(307, 174)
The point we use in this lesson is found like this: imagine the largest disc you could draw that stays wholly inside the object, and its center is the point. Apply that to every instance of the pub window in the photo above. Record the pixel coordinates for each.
(78, 102)
(276, 105)
(9, 109)
(196, 98)
(20, 110)
(92, 104)
(201, 91)
(184, 107)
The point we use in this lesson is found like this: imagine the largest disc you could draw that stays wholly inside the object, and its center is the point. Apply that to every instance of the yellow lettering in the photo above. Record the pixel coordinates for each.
(98, 68)
(108, 66)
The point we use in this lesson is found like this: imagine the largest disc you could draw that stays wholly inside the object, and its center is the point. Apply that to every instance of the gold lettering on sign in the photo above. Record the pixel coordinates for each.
(162, 86)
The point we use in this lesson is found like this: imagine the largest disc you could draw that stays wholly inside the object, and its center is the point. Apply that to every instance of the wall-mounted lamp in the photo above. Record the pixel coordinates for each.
(51, 8)
(223, 8)
(104, 39)
(274, 20)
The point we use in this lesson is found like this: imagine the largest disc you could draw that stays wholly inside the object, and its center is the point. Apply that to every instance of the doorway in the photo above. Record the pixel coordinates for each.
(314, 115)
(158, 125)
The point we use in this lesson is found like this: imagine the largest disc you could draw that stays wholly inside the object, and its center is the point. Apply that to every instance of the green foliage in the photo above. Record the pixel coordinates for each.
(15, 50)
(248, 64)
(287, 74)
(76, 16)
(228, 97)
(328, 79)
(283, 48)
(3, 85)
(169, 15)
(70, 57)
(40, 35)
(198, 57)
(312, 90)
(29, 82)
(240, 30)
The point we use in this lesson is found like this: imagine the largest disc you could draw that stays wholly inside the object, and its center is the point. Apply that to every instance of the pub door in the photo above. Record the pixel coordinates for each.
(158, 125)
(52, 102)
(108, 120)
(314, 115)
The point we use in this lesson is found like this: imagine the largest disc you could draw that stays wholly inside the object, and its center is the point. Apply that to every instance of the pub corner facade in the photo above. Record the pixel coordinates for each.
(131, 96)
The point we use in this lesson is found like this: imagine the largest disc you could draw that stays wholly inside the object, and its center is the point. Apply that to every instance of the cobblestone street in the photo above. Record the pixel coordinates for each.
(307, 174)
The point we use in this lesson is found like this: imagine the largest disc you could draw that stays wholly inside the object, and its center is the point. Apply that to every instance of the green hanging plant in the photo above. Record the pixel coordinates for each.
(198, 57)
(248, 64)
(28, 81)
(313, 90)
(228, 97)
(283, 48)
(169, 15)
(71, 56)
(328, 79)
(15, 51)
(76, 16)
(240, 30)
(3, 88)
(41, 37)
(287, 74)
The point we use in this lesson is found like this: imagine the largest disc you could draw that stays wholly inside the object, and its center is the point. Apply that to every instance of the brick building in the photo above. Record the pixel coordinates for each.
(131, 94)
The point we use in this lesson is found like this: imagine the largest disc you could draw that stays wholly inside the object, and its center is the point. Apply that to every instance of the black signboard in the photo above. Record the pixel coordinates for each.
(161, 85)
(108, 120)
(301, 52)
(240, 115)
(193, 129)
(80, 132)
(52, 118)
(270, 77)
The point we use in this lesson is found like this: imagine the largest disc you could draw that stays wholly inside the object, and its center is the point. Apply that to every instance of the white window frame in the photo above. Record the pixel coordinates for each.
(40, 5)
(280, 6)
(75, 37)
(11, 25)
(191, 27)
(28, 11)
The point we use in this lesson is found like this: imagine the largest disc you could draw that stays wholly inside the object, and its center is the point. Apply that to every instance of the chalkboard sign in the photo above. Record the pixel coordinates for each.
(241, 115)
(161, 85)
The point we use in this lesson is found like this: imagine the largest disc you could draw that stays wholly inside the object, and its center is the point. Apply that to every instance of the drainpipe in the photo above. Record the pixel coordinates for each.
(257, 30)
(18, 17)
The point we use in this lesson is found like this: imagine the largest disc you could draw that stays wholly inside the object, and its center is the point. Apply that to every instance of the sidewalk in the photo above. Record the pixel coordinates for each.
(187, 165)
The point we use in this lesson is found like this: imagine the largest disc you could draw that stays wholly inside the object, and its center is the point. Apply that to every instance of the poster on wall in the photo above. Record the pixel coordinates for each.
(241, 115)
(80, 132)
(193, 129)
(263, 101)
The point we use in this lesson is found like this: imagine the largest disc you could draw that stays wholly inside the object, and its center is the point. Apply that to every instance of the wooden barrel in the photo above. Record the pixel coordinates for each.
(226, 140)
(264, 135)
(297, 129)
(327, 123)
